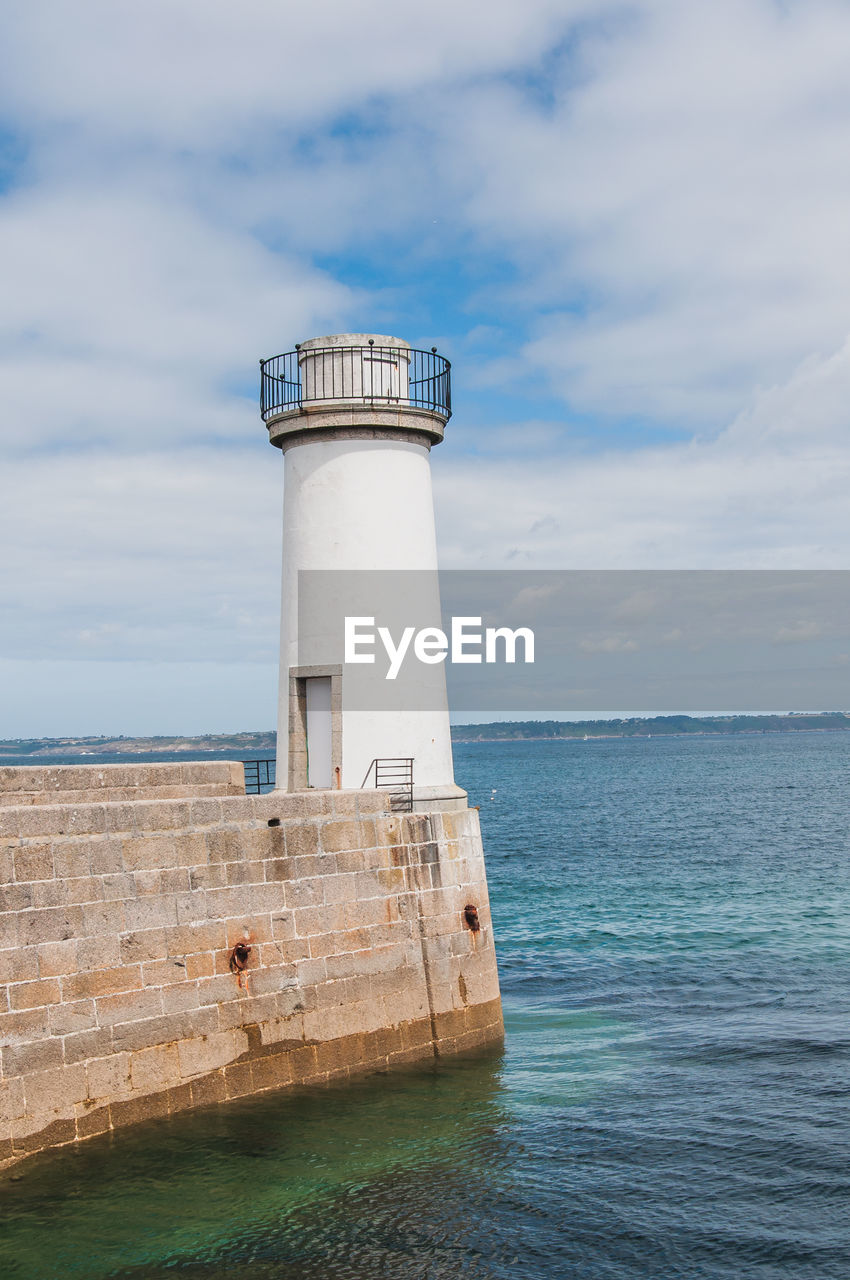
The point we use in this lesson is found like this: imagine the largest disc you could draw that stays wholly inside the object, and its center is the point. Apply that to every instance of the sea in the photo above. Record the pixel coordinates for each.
(672, 920)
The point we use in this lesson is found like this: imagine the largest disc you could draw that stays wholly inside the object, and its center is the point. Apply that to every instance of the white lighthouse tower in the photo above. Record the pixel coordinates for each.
(355, 416)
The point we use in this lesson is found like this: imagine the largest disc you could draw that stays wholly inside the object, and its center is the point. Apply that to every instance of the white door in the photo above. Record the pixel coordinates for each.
(319, 765)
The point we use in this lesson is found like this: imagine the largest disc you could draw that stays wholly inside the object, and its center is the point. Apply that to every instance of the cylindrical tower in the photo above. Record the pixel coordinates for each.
(355, 416)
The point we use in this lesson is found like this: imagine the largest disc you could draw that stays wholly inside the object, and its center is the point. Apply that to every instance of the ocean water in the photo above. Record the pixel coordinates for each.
(673, 929)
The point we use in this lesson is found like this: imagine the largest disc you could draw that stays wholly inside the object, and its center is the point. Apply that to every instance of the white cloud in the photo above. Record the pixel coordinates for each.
(609, 644)
(769, 492)
(643, 204)
(667, 187)
(168, 557)
(676, 210)
(799, 632)
(205, 77)
(127, 320)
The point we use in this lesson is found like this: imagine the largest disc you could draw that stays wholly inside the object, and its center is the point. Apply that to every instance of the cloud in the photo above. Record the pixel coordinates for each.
(628, 221)
(124, 320)
(609, 644)
(651, 195)
(799, 632)
(160, 557)
(768, 492)
(675, 205)
(183, 77)
(685, 200)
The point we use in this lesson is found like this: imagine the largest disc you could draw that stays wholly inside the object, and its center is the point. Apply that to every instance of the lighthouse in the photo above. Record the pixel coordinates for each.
(356, 416)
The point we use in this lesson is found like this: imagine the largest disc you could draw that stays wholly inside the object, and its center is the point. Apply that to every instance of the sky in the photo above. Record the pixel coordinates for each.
(626, 225)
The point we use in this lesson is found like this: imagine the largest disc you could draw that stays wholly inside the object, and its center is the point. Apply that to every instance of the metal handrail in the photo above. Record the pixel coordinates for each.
(366, 375)
(259, 776)
(394, 774)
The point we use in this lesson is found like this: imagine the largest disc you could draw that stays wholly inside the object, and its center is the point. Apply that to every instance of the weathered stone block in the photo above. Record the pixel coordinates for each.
(21, 1059)
(34, 862)
(164, 972)
(337, 836)
(66, 1018)
(200, 966)
(118, 885)
(302, 840)
(283, 925)
(83, 889)
(91, 1120)
(131, 1007)
(85, 1045)
(180, 997)
(102, 952)
(237, 1080)
(341, 888)
(100, 918)
(105, 855)
(279, 1069)
(29, 1134)
(245, 872)
(145, 944)
(32, 995)
(102, 982)
(376, 884)
(145, 883)
(175, 880)
(146, 1032)
(223, 845)
(134, 1110)
(152, 1070)
(20, 1028)
(150, 853)
(216, 990)
(208, 1089)
(55, 1090)
(208, 935)
(20, 965)
(208, 1053)
(157, 911)
(72, 859)
(209, 876)
(293, 949)
(311, 972)
(11, 1101)
(48, 893)
(205, 813)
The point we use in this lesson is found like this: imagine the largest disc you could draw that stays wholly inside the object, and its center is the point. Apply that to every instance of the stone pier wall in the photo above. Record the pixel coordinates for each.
(118, 919)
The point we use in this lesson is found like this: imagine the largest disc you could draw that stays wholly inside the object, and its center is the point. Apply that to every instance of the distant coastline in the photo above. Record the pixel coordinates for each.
(217, 744)
(651, 726)
(236, 745)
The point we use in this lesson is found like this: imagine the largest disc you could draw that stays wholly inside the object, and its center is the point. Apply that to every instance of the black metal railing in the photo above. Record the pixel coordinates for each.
(372, 375)
(259, 776)
(394, 774)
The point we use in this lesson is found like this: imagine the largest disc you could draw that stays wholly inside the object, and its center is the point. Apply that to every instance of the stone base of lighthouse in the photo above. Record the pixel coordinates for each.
(123, 893)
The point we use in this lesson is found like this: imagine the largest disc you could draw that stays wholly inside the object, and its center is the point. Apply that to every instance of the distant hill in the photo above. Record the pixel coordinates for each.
(660, 726)
(263, 742)
(207, 744)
